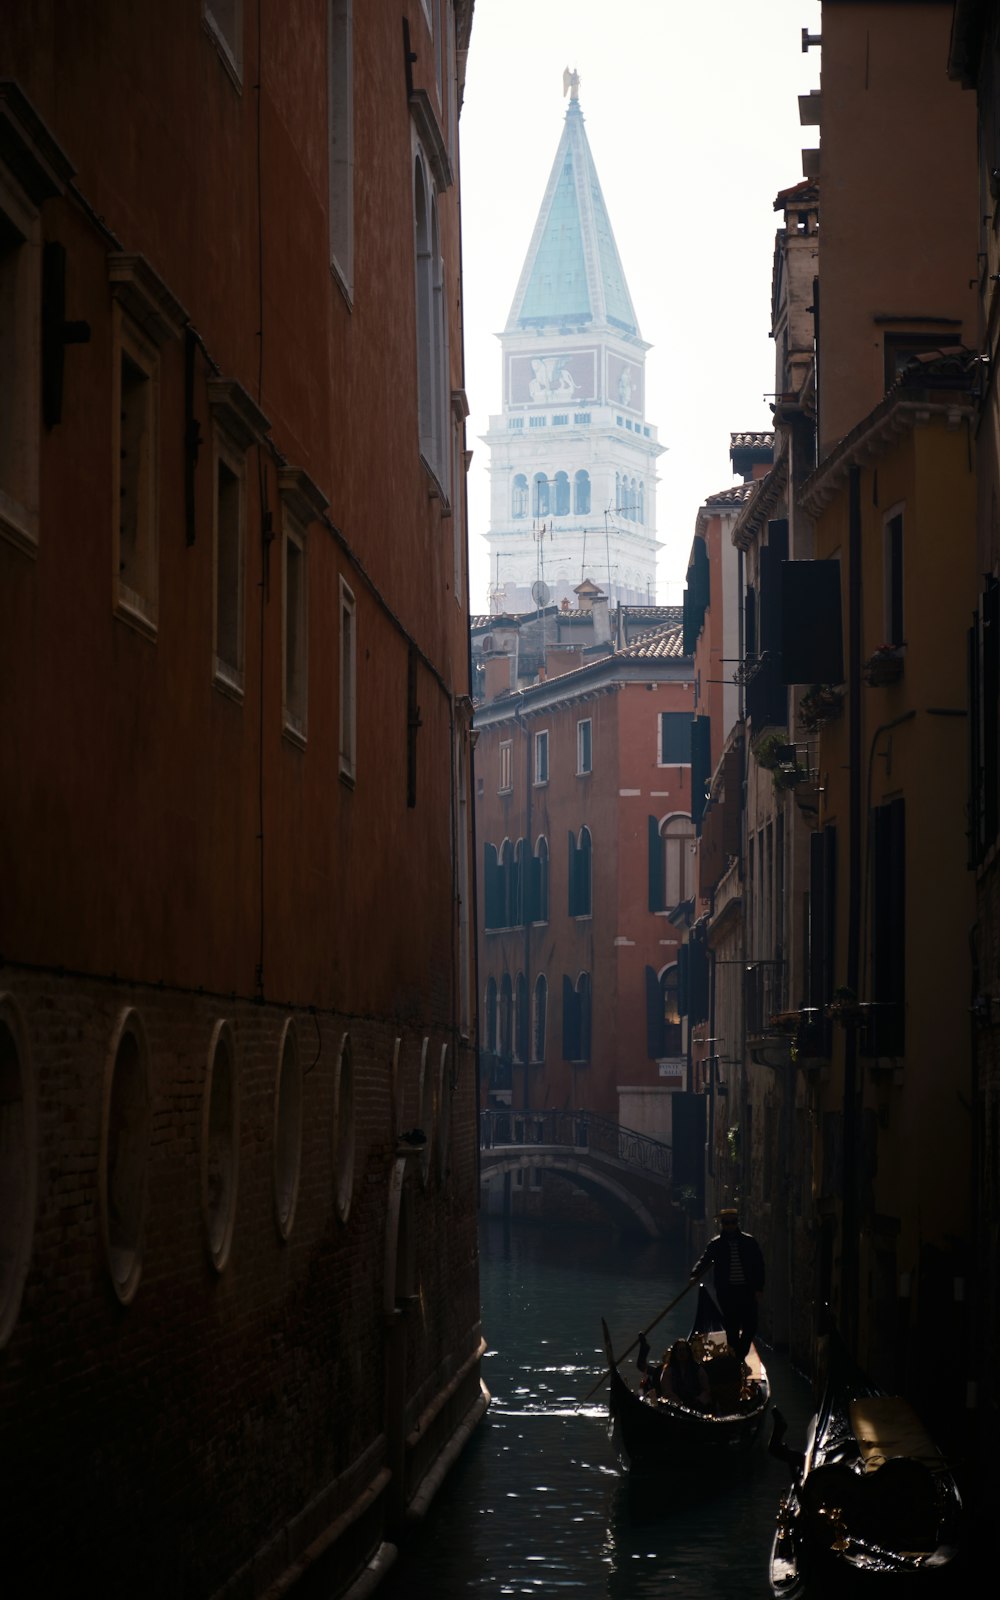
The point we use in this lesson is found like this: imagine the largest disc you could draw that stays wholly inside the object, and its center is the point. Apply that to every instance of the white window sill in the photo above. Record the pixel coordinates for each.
(134, 612)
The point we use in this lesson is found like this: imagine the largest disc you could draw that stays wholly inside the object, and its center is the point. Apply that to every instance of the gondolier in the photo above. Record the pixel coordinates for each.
(738, 1264)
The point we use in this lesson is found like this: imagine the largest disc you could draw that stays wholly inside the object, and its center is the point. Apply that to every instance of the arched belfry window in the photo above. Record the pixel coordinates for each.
(561, 494)
(540, 496)
(519, 496)
(581, 494)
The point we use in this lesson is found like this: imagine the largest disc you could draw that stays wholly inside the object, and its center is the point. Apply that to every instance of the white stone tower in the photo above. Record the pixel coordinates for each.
(572, 457)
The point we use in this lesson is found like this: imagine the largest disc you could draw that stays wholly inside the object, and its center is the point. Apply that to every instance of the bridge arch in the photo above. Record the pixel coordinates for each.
(575, 1166)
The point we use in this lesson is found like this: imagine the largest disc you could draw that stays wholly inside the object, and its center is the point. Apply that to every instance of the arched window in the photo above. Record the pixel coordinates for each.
(519, 496)
(539, 1006)
(517, 885)
(581, 494)
(506, 1017)
(492, 888)
(633, 500)
(540, 495)
(520, 1018)
(562, 494)
(490, 1017)
(576, 1018)
(505, 896)
(663, 1018)
(618, 491)
(678, 836)
(540, 881)
(583, 995)
(580, 897)
(642, 503)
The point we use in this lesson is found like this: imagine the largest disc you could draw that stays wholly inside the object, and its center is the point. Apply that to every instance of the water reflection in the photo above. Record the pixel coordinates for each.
(537, 1505)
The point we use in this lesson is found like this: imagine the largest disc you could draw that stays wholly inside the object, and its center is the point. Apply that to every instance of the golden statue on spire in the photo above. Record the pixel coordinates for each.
(571, 81)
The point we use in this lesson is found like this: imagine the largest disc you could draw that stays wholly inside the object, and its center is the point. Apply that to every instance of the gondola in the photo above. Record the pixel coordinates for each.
(873, 1506)
(662, 1435)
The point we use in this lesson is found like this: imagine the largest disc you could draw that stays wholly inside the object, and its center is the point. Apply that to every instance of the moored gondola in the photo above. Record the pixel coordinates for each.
(873, 1504)
(658, 1434)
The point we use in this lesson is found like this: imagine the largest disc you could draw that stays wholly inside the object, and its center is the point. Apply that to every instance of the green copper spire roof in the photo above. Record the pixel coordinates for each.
(572, 274)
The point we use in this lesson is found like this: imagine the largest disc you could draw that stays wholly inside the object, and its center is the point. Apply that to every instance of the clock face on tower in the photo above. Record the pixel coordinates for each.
(552, 377)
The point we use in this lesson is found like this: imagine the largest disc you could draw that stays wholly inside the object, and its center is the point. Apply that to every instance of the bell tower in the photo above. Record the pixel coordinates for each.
(572, 456)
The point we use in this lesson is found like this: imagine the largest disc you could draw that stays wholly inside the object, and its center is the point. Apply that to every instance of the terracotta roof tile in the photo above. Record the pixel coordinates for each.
(751, 441)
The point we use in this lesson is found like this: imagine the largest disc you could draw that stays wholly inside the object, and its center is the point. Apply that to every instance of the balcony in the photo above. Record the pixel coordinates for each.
(764, 1000)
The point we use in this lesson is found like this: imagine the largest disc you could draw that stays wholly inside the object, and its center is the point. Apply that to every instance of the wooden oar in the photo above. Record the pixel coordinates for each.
(616, 1361)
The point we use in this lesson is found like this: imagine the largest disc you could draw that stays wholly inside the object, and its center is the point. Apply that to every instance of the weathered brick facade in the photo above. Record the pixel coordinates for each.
(239, 1323)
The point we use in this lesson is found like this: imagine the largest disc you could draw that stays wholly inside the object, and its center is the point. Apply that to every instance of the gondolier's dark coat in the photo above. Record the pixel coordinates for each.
(717, 1255)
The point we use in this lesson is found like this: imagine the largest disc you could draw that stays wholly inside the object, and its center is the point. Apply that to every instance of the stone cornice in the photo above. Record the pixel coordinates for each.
(893, 417)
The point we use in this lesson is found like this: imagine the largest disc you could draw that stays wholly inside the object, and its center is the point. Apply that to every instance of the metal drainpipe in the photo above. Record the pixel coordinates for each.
(850, 1255)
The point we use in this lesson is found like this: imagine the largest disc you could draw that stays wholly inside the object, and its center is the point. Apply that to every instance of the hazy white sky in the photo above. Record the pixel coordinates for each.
(692, 115)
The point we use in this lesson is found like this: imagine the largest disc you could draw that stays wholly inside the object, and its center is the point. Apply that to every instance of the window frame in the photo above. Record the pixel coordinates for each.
(505, 770)
(230, 49)
(340, 139)
(584, 747)
(541, 764)
(138, 608)
(229, 676)
(19, 495)
(348, 697)
(295, 725)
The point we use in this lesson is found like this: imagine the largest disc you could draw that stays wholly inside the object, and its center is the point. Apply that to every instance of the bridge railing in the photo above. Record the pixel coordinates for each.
(579, 1130)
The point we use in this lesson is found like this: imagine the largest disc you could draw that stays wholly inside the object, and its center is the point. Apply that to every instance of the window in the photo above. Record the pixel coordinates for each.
(581, 493)
(542, 757)
(348, 687)
(135, 408)
(295, 657)
(20, 363)
(674, 738)
(432, 348)
(580, 874)
(539, 1006)
(561, 494)
(341, 142)
(538, 910)
(576, 1018)
(540, 494)
(519, 496)
(506, 766)
(520, 1018)
(663, 1019)
(893, 537)
(584, 753)
(125, 1133)
(287, 1131)
(678, 836)
(224, 21)
(228, 536)
(426, 1103)
(220, 1145)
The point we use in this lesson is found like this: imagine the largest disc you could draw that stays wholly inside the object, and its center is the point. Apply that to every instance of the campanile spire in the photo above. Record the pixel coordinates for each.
(572, 457)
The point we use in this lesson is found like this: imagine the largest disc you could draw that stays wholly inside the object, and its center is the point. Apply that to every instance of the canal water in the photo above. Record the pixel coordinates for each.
(537, 1504)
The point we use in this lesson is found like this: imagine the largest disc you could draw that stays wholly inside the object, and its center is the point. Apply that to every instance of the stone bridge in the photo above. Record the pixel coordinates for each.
(617, 1165)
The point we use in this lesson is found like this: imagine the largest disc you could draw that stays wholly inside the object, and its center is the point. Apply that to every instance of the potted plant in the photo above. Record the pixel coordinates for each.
(819, 705)
(884, 665)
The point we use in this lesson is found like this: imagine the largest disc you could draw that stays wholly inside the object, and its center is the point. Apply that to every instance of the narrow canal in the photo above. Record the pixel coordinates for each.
(537, 1504)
